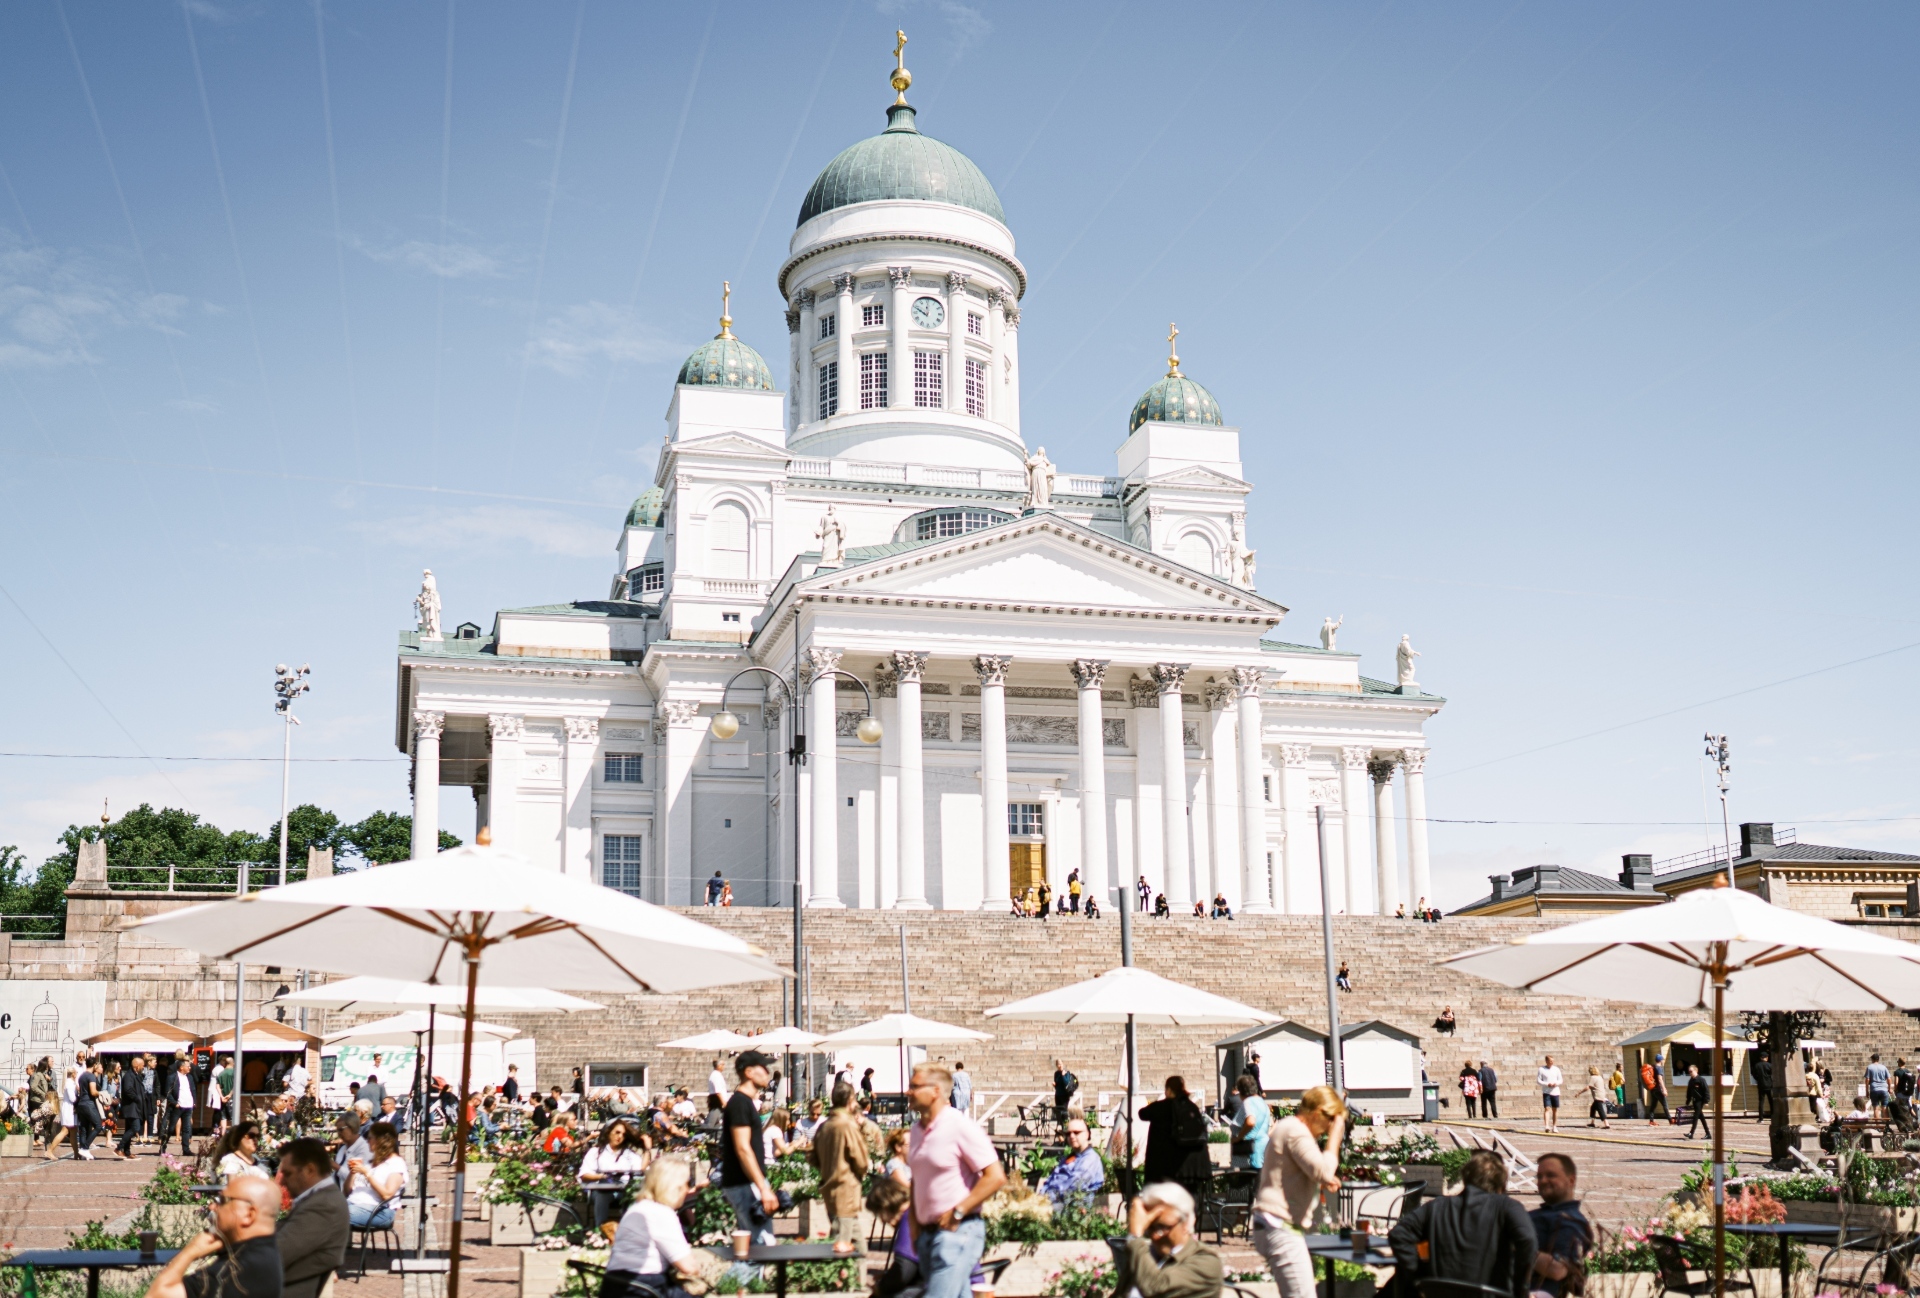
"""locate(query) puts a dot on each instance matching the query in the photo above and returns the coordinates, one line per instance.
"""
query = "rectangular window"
(873, 317)
(873, 381)
(653, 580)
(620, 863)
(1874, 910)
(1024, 818)
(928, 388)
(976, 324)
(729, 617)
(977, 389)
(1266, 788)
(827, 325)
(623, 768)
(829, 389)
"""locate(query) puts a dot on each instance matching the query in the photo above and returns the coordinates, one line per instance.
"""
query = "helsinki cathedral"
(866, 645)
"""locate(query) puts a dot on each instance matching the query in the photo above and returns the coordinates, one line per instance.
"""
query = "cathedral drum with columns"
(1068, 671)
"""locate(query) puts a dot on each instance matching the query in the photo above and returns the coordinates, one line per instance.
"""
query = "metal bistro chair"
(1890, 1261)
(1395, 1201)
(1228, 1203)
(1670, 1262)
(366, 1234)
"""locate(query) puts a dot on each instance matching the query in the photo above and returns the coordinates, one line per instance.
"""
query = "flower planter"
(1432, 1173)
(1859, 1216)
(1031, 1270)
(478, 1174)
(543, 1271)
(514, 1226)
(20, 1146)
(176, 1222)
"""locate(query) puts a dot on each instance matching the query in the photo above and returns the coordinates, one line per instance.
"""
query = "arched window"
(727, 541)
(1194, 550)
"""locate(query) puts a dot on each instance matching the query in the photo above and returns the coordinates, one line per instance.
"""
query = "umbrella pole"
(460, 1137)
(1132, 1066)
(425, 1124)
(1719, 1123)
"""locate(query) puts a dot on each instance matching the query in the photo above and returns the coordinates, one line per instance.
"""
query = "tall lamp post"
(1717, 750)
(726, 725)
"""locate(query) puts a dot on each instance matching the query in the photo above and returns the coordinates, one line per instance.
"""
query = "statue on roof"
(1329, 629)
(1039, 480)
(427, 605)
(1404, 656)
(833, 540)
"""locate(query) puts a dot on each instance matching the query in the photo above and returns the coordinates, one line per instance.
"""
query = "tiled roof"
(1814, 852)
(1569, 883)
(591, 608)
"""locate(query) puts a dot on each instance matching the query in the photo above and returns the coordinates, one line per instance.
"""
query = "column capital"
(992, 668)
(843, 284)
(1168, 677)
(506, 726)
(1414, 759)
(909, 665)
(1090, 673)
(1294, 756)
(793, 319)
(582, 730)
(1381, 769)
(1141, 693)
(1247, 681)
(821, 661)
(1355, 757)
(902, 276)
(995, 297)
(1012, 312)
(680, 714)
(1218, 694)
(803, 298)
(956, 281)
(428, 725)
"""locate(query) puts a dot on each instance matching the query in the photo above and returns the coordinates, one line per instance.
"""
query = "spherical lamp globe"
(868, 729)
(725, 725)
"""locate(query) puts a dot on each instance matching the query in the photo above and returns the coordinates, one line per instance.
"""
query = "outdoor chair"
(366, 1234)
(1227, 1203)
(1392, 1207)
(1890, 1260)
(1670, 1263)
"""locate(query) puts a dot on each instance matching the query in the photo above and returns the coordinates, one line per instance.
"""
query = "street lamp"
(726, 724)
(288, 686)
(1717, 750)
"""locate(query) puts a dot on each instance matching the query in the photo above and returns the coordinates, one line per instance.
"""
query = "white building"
(1068, 670)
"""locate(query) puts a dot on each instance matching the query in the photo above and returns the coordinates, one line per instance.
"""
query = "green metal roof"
(591, 608)
(901, 163)
(726, 362)
(1175, 399)
(646, 508)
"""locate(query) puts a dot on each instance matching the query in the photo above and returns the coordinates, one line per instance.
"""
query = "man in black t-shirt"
(243, 1222)
(742, 1178)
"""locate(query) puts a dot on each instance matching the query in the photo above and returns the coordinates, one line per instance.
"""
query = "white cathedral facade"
(1069, 671)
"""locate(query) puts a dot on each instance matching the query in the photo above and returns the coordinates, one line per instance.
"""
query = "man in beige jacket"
(840, 1154)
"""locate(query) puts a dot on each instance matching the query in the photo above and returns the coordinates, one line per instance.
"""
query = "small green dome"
(646, 508)
(726, 362)
(901, 163)
(1176, 399)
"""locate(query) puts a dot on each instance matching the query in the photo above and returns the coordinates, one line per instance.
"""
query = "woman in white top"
(374, 1182)
(68, 1094)
(609, 1166)
(649, 1247)
(773, 1136)
(237, 1152)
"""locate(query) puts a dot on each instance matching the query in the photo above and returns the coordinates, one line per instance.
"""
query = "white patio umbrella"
(509, 922)
(787, 1038)
(1714, 943)
(901, 1031)
(717, 1039)
(405, 1030)
(1131, 995)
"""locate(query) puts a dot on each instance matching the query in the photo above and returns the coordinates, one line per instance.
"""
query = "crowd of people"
(1041, 900)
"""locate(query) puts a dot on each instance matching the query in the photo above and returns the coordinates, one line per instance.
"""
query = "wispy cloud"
(494, 527)
(53, 304)
(447, 260)
(570, 341)
(967, 25)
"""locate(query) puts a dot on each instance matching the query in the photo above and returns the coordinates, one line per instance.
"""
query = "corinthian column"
(576, 825)
(822, 754)
(995, 862)
(908, 667)
(1010, 365)
(1174, 830)
(843, 326)
(1256, 886)
(956, 342)
(804, 384)
(1386, 869)
(1223, 829)
(1353, 810)
(426, 782)
(680, 745)
(506, 731)
(1088, 675)
(899, 341)
(1295, 809)
(1419, 879)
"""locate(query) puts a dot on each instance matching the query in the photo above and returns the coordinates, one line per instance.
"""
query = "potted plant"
(171, 1207)
(16, 1138)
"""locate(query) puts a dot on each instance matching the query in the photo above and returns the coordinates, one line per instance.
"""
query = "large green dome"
(646, 509)
(901, 163)
(1176, 399)
(726, 362)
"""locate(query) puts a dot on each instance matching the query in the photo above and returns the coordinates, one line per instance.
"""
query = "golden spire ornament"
(901, 77)
(1173, 356)
(726, 302)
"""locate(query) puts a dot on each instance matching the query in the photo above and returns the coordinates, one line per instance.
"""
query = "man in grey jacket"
(313, 1236)
(1479, 1235)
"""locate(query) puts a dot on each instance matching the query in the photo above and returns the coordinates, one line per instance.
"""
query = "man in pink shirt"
(955, 1170)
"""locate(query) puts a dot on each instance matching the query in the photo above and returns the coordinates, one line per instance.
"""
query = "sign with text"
(46, 1017)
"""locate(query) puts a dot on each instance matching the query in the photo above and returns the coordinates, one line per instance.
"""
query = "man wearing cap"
(742, 1180)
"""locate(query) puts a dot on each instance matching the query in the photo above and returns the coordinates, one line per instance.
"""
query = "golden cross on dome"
(901, 77)
(1173, 356)
(726, 300)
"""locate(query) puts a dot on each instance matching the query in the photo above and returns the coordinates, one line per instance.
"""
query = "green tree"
(311, 827)
(385, 837)
(144, 842)
(42, 892)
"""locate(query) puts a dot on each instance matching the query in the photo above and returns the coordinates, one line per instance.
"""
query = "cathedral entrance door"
(1026, 866)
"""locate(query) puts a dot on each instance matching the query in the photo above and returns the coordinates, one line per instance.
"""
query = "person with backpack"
(1470, 1086)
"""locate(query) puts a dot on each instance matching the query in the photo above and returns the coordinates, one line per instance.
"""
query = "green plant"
(1081, 1278)
(794, 1174)
(13, 1124)
(711, 1215)
(1219, 1136)
(1411, 1147)
(837, 1276)
(1453, 1162)
(169, 1185)
(1038, 1163)
(1342, 1270)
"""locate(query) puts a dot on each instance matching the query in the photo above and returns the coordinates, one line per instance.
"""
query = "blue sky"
(1576, 342)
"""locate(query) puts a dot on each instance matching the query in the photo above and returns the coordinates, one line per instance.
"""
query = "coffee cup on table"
(742, 1243)
(149, 1242)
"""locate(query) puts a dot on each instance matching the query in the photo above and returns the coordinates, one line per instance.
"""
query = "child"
(902, 1279)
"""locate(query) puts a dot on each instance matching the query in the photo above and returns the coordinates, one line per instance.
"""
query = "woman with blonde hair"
(1296, 1174)
(649, 1248)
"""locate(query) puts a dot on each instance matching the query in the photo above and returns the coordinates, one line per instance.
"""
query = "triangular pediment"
(729, 444)
(1043, 561)
(1199, 475)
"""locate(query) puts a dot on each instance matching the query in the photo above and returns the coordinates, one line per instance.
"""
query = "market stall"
(1672, 1047)
(270, 1050)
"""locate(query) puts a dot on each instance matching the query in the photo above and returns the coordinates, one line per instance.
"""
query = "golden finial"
(901, 77)
(1173, 357)
(726, 301)
(105, 819)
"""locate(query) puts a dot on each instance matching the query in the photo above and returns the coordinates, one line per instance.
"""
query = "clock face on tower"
(928, 313)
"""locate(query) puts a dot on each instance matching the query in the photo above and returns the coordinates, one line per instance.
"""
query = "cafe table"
(1782, 1233)
(92, 1261)
(781, 1254)
(1340, 1248)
